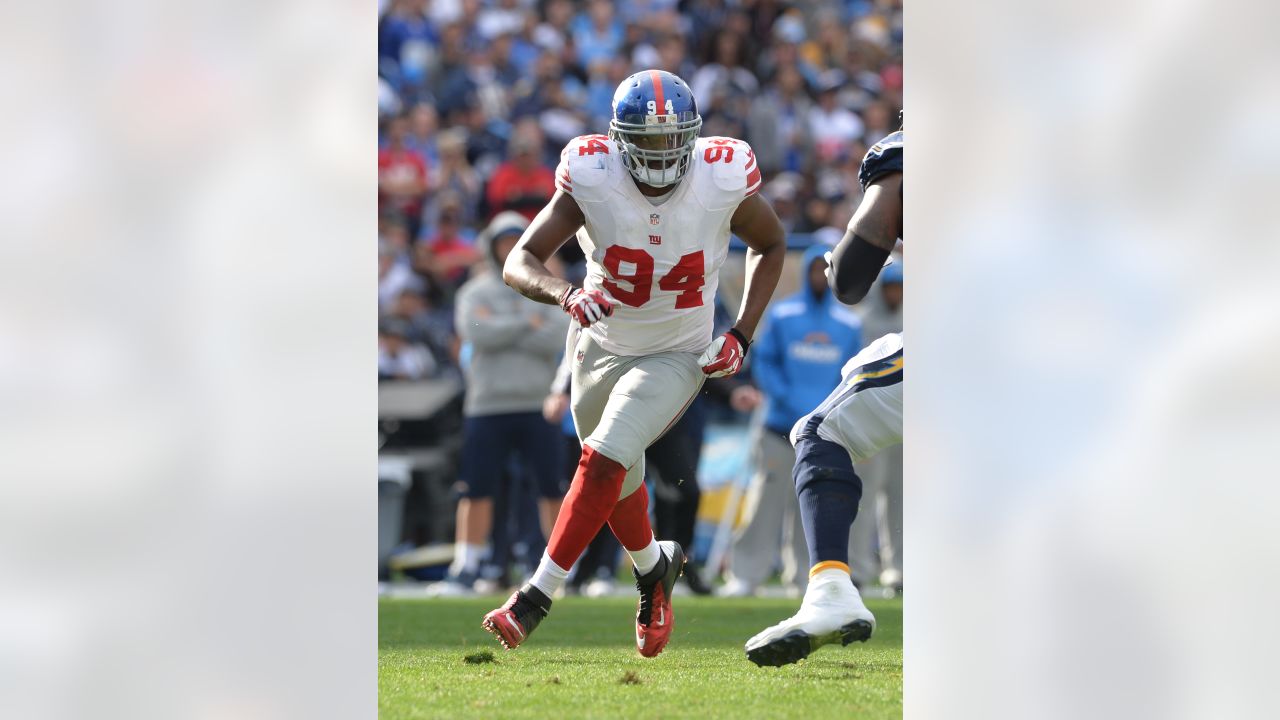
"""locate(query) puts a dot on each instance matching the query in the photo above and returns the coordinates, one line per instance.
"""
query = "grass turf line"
(582, 663)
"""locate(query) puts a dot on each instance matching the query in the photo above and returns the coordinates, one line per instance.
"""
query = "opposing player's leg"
(862, 415)
(832, 611)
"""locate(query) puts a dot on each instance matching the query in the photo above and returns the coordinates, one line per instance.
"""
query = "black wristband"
(742, 339)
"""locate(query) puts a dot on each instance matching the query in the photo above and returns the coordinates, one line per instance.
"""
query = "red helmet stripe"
(657, 91)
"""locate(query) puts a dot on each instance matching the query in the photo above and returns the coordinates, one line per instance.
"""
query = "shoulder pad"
(732, 167)
(584, 164)
(883, 158)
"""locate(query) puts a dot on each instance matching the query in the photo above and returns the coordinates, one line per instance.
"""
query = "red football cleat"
(516, 620)
(655, 618)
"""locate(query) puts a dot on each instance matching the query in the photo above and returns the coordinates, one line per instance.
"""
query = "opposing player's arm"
(756, 224)
(874, 230)
(526, 269)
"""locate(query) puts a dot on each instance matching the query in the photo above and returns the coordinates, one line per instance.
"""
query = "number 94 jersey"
(660, 262)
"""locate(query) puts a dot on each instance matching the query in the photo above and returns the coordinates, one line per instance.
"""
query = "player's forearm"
(763, 270)
(531, 278)
(855, 264)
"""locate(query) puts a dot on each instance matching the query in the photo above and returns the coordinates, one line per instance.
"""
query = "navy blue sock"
(829, 491)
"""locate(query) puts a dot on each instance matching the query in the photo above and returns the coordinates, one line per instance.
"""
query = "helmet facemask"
(657, 149)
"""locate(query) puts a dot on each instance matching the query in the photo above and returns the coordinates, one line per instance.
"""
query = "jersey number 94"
(686, 278)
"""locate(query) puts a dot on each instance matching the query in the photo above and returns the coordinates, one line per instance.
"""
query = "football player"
(859, 418)
(652, 206)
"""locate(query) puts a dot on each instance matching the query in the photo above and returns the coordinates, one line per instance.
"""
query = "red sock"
(630, 520)
(586, 506)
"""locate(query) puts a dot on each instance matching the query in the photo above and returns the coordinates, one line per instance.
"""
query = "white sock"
(646, 558)
(467, 557)
(549, 576)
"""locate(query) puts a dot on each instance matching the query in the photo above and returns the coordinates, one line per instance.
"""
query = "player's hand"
(586, 306)
(745, 398)
(554, 407)
(724, 356)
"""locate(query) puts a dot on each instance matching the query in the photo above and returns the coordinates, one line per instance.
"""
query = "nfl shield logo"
(655, 218)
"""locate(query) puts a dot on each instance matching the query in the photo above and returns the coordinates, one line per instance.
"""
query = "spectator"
(833, 127)
(515, 343)
(605, 78)
(407, 40)
(796, 362)
(503, 17)
(522, 184)
(451, 83)
(816, 215)
(783, 192)
(454, 178)
(394, 276)
(672, 56)
(421, 136)
(446, 257)
(878, 123)
(402, 173)
(562, 119)
(778, 124)
(486, 146)
(553, 32)
(426, 325)
(400, 359)
(788, 36)
(724, 76)
(393, 231)
(597, 35)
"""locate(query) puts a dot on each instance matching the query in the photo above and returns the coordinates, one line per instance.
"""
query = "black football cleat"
(655, 618)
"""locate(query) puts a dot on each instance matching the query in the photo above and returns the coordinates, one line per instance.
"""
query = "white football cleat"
(832, 611)
(601, 587)
(449, 588)
(736, 588)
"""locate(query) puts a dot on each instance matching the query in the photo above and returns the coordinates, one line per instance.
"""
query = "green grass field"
(582, 663)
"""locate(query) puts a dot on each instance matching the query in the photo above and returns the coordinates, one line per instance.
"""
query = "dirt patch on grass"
(484, 656)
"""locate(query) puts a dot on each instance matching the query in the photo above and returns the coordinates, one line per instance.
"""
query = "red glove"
(724, 356)
(586, 306)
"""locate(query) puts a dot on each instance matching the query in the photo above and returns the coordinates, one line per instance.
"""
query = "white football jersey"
(660, 263)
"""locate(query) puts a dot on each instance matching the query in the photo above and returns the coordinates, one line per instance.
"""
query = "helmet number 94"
(653, 108)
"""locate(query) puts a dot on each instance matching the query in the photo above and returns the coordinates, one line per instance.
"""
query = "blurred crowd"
(477, 98)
